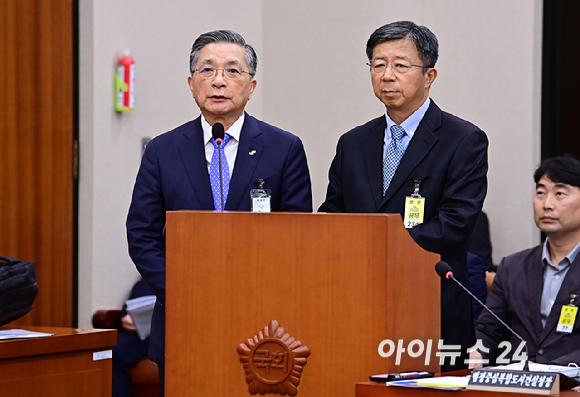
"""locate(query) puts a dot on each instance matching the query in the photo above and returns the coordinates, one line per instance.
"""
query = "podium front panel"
(335, 285)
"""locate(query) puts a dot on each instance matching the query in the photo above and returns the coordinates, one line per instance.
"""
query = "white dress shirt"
(231, 149)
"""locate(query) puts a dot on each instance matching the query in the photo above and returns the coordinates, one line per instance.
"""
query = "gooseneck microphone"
(444, 271)
(218, 133)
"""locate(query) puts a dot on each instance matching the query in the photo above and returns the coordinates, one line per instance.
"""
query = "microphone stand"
(526, 365)
(221, 176)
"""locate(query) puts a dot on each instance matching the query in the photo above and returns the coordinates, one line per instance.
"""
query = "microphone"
(218, 133)
(444, 271)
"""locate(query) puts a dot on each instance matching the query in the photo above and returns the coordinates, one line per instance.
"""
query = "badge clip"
(416, 191)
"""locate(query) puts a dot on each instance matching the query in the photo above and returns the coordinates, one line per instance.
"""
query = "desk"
(374, 389)
(57, 366)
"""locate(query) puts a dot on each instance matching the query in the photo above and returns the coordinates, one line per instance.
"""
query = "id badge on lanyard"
(568, 316)
(414, 208)
(261, 197)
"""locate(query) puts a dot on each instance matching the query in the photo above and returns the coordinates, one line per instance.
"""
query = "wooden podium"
(293, 303)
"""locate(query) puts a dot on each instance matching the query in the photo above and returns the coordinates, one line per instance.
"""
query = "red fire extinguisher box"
(125, 84)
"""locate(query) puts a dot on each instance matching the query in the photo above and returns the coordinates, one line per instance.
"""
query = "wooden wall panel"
(36, 141)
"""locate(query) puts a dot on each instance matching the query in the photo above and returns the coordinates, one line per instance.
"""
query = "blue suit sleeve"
(477, 284)
(146, 224)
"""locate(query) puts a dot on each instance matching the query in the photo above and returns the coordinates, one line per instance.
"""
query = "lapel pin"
(252, 152)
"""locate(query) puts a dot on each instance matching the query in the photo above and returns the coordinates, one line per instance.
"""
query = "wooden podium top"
(63, 340)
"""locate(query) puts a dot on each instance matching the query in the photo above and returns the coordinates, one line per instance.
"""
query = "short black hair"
(560, 169)
(424, 39)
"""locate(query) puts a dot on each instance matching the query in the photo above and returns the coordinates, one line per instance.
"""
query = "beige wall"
(312, 81)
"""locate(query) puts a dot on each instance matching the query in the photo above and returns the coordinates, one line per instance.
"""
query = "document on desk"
(442, 382)
(571, 372)
(21, 334)
(141, 311)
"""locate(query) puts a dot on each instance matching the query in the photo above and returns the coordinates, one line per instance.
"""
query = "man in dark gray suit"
(415, 149)
(537, 290)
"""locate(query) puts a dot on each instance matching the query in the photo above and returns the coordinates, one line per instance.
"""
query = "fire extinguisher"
(125, 84)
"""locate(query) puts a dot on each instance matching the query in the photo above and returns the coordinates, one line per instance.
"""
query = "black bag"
(17, 288)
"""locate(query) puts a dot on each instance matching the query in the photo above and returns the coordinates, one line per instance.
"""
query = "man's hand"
(475, 356)
(127, 323)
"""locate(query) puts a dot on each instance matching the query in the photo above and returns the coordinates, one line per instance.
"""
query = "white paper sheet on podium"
(21, 333)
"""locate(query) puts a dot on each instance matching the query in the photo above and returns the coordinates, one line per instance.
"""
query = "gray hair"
(425, 41)
(223, 36)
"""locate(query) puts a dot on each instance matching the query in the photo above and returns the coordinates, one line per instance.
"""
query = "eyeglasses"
(378, 66)
(229, 73)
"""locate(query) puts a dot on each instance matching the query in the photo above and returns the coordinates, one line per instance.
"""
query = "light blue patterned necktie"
(214, 174)
(393, 156)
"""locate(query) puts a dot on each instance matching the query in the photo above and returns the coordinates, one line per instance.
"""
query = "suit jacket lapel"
(249, 152)
(571, 285)
(535, 281)
(421, 143)
(192, 152)
(373, 155)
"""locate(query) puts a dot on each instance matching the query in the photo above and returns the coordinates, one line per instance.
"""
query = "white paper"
(571, 372)
(445, 381)
(141, 311)
(21, 333)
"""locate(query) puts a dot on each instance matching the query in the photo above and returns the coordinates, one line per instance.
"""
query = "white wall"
(159, 36)
(312, 81)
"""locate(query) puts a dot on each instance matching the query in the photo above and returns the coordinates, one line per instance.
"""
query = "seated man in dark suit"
(180, 169)
(536, 290)
(130, 349)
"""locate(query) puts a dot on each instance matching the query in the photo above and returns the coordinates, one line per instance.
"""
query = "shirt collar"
(412, 122)
(234, 131)
(570, 257)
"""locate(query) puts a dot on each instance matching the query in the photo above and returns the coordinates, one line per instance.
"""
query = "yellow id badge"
(567, 319)
(414, 211)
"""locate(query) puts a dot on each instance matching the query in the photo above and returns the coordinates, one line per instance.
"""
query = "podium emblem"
(273, 361)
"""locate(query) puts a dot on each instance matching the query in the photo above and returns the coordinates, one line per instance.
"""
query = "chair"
(489, 277)
(145, 375)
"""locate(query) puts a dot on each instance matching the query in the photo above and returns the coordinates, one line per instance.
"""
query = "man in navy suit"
(537, 290)
(416, 149)
(176, 166)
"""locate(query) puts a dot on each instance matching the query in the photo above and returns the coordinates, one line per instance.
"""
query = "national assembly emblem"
(273, 361)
